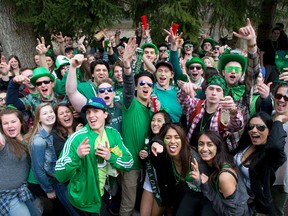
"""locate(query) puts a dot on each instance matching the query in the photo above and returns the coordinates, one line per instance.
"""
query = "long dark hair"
(222, 156)
(60, 129)
(186, 150)
(16, 146)
(167, 119)
(245, 141)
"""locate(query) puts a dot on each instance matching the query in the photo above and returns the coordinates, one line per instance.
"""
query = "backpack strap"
(196, 111)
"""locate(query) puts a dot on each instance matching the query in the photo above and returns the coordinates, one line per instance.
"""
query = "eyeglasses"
(258, 127)
(230, 69)
(279, 96)
(163, 50)
(188, 45)
(193, 67)
(64, 67)
(108, 89)
(46, 82)
(2, 99)
(142, 83)
(216, 48)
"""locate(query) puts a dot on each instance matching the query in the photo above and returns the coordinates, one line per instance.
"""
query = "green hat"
(60, 61)
(226, 58)
(150, 45)
(41, 72)
(208, 40)
(216, 80)
(196, 60)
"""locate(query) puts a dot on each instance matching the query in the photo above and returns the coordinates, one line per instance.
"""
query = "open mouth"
(106, 98)
(254, 137)
(173, 148)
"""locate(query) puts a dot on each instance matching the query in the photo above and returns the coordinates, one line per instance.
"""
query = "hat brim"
(34, 78)
(166, 64)
(84, 108)
(150, 45)
(226, 58)
(208, 40)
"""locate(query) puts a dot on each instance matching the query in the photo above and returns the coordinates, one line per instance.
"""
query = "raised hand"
(195, 173)
(156, 148)
(77, 60)
(84, 148)
(264, 90)
(227, 103)
(130, 49)
(4, 67)
(21, 79)
(58, 37)
(103, 151)
(41, 47)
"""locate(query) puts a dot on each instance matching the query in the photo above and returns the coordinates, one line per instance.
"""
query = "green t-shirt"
(135, 128)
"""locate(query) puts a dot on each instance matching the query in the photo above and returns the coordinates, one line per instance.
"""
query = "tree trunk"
(17, 38)
(267, 11)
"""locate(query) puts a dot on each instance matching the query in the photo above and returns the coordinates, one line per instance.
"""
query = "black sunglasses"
(142, 83)
(102, 90)
(258, 126)
(46, 82)
(279, 96)
(163, 50)
(197, 67)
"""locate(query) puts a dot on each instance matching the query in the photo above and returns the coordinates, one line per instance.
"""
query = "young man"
(86, 158)
(136, 122)
(195, 68)
(44, 83)
(165, 91)
(207, 47)
(206, 114)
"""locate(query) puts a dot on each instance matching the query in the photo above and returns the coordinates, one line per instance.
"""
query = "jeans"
(62, 195)
(35, 207)
(18, 208)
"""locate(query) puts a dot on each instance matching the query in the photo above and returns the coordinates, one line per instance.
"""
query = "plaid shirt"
(189, 104)
(6, 196)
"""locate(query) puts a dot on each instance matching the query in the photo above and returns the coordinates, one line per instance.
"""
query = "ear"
(106, 114)
(223, 72)
(172, 75)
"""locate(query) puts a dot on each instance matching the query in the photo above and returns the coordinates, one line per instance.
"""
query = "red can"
(153, 99)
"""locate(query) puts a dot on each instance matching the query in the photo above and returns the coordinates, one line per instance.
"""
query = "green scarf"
(236, 92)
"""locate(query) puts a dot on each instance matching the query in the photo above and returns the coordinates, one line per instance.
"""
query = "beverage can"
(153, 100)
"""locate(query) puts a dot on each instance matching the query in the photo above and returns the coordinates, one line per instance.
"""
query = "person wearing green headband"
(206, 114)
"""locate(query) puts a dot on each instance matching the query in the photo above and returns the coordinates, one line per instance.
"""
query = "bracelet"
(252, 46)
(127, 67)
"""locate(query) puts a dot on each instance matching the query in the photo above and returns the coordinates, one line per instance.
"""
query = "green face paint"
(166, 141)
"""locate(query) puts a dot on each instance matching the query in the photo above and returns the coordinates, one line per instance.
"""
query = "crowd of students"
(165, 130)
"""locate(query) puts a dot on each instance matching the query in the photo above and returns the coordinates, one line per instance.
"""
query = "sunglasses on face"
(230, 69)
(188, 45)
(259, 127)
(193, 67)
(279, 96)
(108, 89)
(216, 48)
(46, 82)
(142, 83)
(2, 99)
(163, 50)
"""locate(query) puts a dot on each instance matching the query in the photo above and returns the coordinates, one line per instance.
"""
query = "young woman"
(224, 187)
(15, 197)
(179, 157)
(260, 153)
(150, 202)
(43, 156)
(15, 65)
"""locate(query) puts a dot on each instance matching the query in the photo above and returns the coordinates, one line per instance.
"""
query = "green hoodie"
(83, 188)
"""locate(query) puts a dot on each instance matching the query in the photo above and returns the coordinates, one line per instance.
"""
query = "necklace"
(202, 127)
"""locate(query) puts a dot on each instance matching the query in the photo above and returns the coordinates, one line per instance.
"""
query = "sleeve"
(266, 104)
(69, 161)
(13, 96)
(128, 89)
(236, 122)
(187, 103)
(274, 147)
(113, 58)
(120, 159)
(174, 59)
(38, 147)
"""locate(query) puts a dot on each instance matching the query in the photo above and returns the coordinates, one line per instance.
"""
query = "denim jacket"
(43, 159)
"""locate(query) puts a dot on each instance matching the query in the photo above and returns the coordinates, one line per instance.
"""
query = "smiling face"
(150, 54)
(257, 136)
(207, 62)
(46, 90)
(157, 122)
(100, 72)
(232, 78)
(213, 94)
(163, 76)
(47, 116)
(65, 116)
(11, 125)
(143, 89)
(206, 149)
(49, 61)
(118, 74)
(195, 72)
(14, 63)
(281, 105)
(96, 119)
(107, 93)
(188, 48)
(173, 143)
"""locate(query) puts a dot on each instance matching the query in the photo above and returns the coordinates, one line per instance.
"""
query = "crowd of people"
(168, 129)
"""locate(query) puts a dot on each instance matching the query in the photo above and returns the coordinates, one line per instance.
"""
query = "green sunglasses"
(230, 69)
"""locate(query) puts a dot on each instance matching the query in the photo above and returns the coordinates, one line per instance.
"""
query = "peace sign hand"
(195, 174)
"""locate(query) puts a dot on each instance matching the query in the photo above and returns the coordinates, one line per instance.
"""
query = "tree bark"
(17, 38)
(267, 11)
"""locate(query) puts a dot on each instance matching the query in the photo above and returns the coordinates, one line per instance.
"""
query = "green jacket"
(83, 188)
